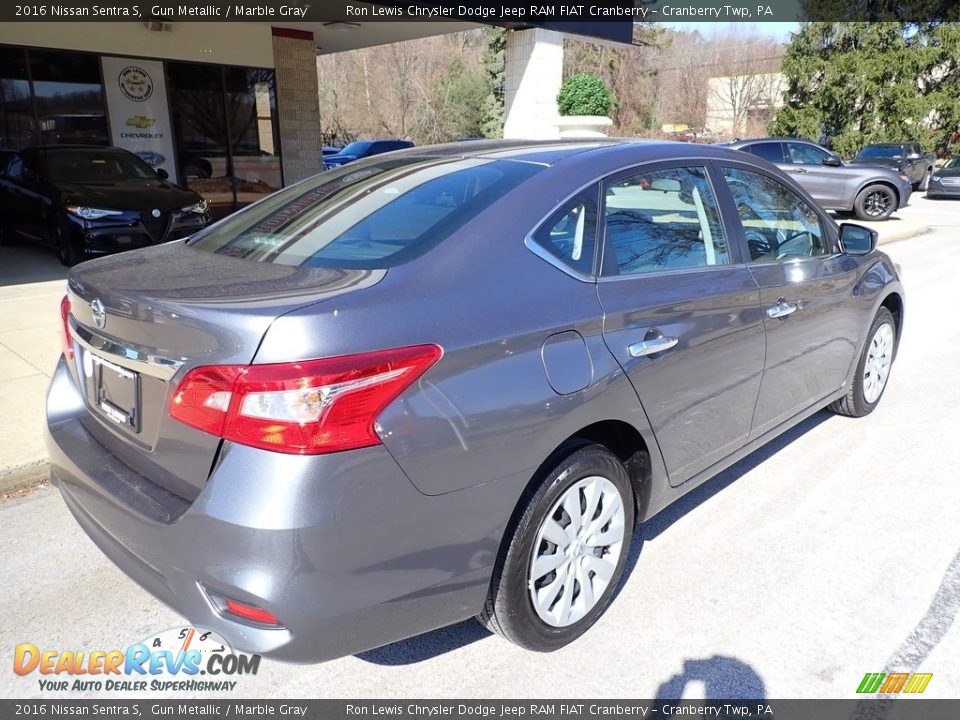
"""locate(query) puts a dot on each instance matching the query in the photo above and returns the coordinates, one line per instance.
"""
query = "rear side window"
(769, 151)
(376, 216)
(570, 234)
(663, 220)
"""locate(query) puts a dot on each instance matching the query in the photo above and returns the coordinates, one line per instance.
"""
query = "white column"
(534, 73)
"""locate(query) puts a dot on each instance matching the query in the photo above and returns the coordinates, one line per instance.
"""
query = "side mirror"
(832, 161)
(914, 156)
(162, 174)
(857, 239)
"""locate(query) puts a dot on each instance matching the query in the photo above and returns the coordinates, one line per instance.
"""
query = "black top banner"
(554, 15)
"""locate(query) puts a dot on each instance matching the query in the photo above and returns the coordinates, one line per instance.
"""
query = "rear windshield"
(882, 151)
(357, 148)
(375, 216)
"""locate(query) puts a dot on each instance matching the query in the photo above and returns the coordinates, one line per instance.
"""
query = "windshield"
(371, 217)
(887, 152)
(357, 148)
(92, 166)
(952, 164)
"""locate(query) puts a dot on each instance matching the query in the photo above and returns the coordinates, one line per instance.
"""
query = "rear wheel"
(875, 202)
(873, 370)
(565, 555)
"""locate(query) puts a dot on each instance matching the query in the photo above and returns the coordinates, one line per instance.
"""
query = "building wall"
(534, 73)
(741, 105)
(295, 58)
(247, 44)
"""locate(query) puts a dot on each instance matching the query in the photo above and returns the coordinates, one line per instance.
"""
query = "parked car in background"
(906, 158)
(452, 382)
(364, 148)
(945, 181)
(871, 191)
(86, 200)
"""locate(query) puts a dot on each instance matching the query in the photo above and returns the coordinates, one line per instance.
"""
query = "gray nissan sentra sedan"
(451, 381)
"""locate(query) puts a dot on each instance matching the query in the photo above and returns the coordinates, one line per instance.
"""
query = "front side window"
(778, 223)
(663, 220)
(803, 154)
(367, 218)
(569, 234)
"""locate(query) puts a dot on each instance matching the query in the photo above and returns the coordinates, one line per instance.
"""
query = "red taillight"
(309, 407)
(251, 612)
(65, 339)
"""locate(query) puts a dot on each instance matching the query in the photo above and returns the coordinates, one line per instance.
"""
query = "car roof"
(552, 152)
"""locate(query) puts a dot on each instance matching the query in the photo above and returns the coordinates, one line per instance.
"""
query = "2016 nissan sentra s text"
(451, 381)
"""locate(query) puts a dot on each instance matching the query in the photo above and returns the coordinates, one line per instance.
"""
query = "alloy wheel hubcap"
(877, 203)
(577, 551)
(877, 366)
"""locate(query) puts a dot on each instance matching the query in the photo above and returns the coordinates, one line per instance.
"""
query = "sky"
(776, 30)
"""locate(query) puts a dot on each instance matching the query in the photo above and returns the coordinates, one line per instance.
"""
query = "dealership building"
(227, 108)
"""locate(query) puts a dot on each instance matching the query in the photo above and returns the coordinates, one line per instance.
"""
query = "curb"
(903, 234)
(21, 477)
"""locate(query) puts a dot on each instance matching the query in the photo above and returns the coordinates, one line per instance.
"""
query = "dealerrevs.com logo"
(186, 659)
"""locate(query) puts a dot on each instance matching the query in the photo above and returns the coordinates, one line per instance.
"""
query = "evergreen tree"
(852, 83)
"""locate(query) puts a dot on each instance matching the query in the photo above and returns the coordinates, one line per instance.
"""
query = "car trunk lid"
(142, 320)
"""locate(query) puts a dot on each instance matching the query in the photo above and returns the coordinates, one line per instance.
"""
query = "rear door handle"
(652, 346)
(781, 309)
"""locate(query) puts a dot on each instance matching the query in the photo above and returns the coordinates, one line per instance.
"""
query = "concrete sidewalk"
(31, 286)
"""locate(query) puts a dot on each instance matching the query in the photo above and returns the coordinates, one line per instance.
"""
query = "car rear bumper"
(342, 548)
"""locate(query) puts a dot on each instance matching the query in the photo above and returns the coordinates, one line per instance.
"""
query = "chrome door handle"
(652, 346)
(798, 171)
(781, 309)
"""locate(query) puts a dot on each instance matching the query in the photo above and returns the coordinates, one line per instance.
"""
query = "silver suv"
(870, 191)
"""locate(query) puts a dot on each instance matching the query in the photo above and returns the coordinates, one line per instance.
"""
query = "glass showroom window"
(68, 93)
(225, 122)
(17, 122)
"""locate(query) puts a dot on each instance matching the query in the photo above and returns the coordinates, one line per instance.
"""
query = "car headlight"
(904, 177)
(935, 177)
(90, 213)
(199, 208)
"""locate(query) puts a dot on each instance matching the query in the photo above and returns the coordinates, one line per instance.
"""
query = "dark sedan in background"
(89, 200)
(452, 382)
(871, 191)
(945, 181)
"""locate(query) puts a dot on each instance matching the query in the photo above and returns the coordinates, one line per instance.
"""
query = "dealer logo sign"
(135, 83)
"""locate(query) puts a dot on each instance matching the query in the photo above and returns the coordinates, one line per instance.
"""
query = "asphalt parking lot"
(831, 553)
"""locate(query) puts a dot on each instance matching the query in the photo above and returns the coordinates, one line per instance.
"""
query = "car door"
(681, 312)
(806, 294)
(826, 184)
(23, 205)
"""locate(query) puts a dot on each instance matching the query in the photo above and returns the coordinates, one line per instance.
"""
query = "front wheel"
(873, 370)
(68, 253)
(565, 555)
(875, 202)
(924, 181)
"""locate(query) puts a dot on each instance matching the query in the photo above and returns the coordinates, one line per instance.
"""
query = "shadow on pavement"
(721, 678)
(430, 645)
(21, 264)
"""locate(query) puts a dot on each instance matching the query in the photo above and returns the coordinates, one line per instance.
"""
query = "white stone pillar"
(534, 73)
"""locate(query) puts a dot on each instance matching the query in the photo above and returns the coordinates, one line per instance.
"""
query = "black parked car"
(90, 200)
(364, 148)
(945, 181)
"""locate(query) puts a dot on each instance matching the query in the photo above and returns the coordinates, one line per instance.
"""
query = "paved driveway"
(827, 555)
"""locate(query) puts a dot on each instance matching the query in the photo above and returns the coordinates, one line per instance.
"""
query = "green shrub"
(584, 94)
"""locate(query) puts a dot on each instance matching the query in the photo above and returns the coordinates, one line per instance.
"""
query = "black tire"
(875, 202)
(924, 181)
(68, 253)
(855, 403)
(509, 610)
